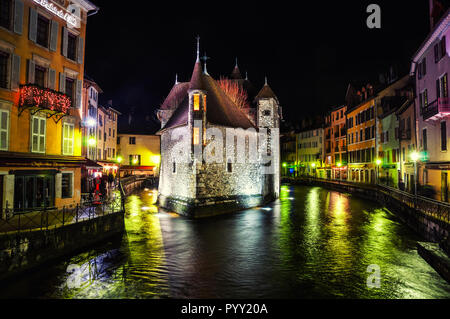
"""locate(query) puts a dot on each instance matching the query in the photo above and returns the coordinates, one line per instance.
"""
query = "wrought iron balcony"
(43, 99)
(436, 110)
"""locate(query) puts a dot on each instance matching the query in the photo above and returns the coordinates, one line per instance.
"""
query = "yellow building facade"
(139, 154)
(41, 74)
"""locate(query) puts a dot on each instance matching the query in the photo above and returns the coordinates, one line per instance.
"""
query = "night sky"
(310, 52)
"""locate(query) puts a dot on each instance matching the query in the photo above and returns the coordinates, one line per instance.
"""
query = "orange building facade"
(361, 139)
(338, 136)
(41, 76)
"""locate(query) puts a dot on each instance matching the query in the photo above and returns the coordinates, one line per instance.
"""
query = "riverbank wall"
(421, 215)
(24, 251)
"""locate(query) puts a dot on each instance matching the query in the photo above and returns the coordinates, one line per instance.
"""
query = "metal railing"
(20, 222)
(427, 206)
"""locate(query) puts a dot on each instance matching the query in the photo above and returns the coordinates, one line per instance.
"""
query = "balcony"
(437, 110)
(37, 99)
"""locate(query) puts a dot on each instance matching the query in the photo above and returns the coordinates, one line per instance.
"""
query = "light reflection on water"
(312, 243)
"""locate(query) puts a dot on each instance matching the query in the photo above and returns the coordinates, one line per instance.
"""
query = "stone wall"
(21, 252)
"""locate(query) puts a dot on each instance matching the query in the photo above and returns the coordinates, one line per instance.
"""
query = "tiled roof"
(221, 110)
(265, 93)
(175, 96)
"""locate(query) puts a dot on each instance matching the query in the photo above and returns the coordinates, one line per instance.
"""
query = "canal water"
(312, 243)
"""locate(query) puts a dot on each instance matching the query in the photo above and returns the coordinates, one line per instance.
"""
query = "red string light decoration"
(235, 92)
(34, 96)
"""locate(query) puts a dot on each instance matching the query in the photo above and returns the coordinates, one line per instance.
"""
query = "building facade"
(140, 154)
(408, 144)
(89, 122)
(430, 67)
(41, 76)
(338, 137)
(361, 136)
(311, 152)
(107, 139)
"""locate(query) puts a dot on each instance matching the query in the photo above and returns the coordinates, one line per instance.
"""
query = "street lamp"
(313, 165)
(378, 162)
(92, 141)
(415, 157)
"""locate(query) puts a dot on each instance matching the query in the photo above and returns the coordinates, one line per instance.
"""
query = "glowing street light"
(119, 159)
(339, 164)
(415, 156)
(313, 165)
(91, 122)
(92, 141)
(378, 162)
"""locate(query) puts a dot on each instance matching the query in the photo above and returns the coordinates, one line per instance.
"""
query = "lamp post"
(313, 165)
(378, 162)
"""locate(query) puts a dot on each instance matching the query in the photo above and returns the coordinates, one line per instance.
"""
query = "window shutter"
(18, 16)
(62, 83)
(443, 47)
(15, 75)
(80, 50)
(33, 25)
(52, 79)
(65, 41)
(54, 36)
(31, 70)
(79, 87)
(438, 88)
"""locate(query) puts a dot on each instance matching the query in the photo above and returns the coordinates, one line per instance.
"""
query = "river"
(312, 243)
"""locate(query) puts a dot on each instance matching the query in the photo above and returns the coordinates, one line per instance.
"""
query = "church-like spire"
(236, 74)
(265, 80)
(176, 78)
(198, 49)
(246, 75)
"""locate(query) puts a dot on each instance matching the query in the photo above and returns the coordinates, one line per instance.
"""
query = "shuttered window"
(5, 13)
(38, 130)
(443, 136)
(71, 46)
(4, 58)
(43, 31)
(68, 138)
(4, 130)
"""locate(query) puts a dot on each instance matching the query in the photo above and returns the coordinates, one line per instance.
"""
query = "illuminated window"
(68, 138)
(204, 102)
(196, 135)
(196, 102)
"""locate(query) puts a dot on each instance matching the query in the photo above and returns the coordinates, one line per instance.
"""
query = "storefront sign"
(70, 18)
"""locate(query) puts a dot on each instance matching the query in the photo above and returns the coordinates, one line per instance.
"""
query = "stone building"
(202, 126)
